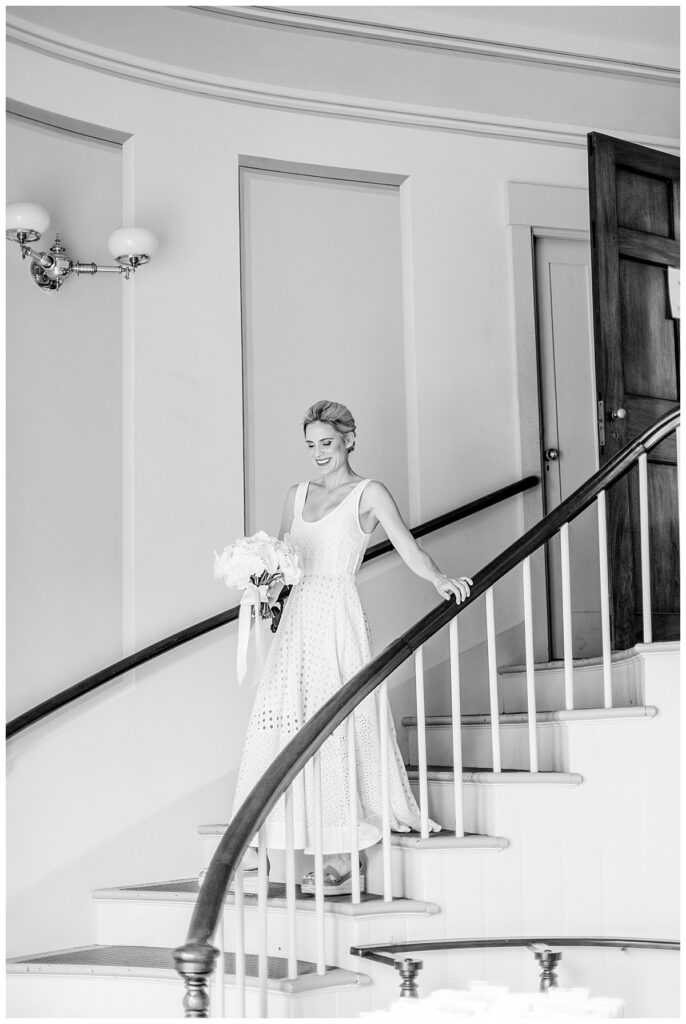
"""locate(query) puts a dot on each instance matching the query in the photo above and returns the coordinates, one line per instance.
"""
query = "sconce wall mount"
(26, 222)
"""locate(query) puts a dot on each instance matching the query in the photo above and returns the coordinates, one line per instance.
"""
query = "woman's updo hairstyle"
(338, 415)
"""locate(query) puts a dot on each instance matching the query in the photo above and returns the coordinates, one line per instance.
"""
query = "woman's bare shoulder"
(375, 492)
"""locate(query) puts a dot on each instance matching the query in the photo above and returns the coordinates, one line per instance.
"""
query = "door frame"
(536, 211)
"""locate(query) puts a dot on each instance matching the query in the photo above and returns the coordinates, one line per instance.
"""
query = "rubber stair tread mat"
(157, 958)
(277, 891)
(467, 768)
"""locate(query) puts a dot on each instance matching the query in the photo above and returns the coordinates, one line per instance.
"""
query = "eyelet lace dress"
(322, 641)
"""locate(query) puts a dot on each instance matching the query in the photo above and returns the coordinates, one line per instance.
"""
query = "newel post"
(195, 963)
(409, 969)
(548, 961)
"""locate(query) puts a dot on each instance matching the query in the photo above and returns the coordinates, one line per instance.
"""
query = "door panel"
(647, 209)
(634, 202)
(649, 354)
(565, 356)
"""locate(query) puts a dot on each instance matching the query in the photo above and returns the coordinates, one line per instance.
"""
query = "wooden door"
(634, 203)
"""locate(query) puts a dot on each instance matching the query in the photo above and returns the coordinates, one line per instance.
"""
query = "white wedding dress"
(322, 641)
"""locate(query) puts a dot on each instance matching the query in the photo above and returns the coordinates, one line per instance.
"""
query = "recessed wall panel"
(322, 318)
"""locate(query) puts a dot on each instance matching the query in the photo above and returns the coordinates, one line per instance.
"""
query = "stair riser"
(477, 746)
(88, 997)
(277, 859)
(487, 806)
(587, 687)
(157, 923)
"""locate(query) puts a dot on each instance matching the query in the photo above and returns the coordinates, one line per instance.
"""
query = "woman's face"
(326, 446)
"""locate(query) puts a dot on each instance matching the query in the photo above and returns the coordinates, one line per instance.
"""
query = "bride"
(322, 641)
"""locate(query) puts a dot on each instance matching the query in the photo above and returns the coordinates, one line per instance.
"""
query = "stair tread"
(508, 776)
(186, 890)
(522, 717)
(397, 838)
(146, 961)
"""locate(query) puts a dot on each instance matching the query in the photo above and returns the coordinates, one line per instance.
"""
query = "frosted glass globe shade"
(29, 218)
(132, 242)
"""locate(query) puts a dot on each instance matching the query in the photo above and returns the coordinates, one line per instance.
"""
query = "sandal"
(251, 882)
(335, 884)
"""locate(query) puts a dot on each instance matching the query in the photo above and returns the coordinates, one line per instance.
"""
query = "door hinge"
(601, 424)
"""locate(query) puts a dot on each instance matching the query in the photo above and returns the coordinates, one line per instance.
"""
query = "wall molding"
(290, 18)
(102, 59)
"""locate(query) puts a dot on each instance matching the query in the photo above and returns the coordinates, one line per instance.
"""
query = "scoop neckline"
(313, 522)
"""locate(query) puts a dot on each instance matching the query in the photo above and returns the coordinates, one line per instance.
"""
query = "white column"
(645, 549)
(530, 672)
(604, 600)
(421, 742)
(385, 794)
(567, 617)
(456, 717)
(262, 896)
(290, 884)
(318, 863)
(493, 679)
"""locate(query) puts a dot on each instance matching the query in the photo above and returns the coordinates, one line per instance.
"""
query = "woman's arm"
(288, 509)
(378, 499)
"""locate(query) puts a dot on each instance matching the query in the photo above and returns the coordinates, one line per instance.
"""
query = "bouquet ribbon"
(253, 597)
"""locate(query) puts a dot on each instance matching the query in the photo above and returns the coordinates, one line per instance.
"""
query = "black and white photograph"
(342, 511)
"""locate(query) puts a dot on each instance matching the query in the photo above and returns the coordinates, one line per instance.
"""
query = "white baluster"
(290, 884)
(530, 673)
(456, 715)
(385, 794)
(218, 1008)
(604, 600)
(421, 742)
(645, 549)
(262, 895)
(352, 789)
(318, 862)
(493, 679)
(567, 617)
(240, 941)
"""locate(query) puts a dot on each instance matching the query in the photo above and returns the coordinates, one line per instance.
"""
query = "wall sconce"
(26, 222)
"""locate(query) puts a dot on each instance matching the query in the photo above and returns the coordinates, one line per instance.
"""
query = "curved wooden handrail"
(196, 957)
(183, 636)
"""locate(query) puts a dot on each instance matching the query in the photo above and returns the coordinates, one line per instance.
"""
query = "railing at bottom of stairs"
(299, 764)
(395, 954)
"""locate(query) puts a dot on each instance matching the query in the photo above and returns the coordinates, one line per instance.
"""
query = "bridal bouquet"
(261, 566)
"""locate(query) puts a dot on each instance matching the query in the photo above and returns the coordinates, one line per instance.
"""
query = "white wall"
(64, 423)
(178, 727)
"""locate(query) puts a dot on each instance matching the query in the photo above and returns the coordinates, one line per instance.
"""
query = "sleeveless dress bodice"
(335, 544)
(323, 641)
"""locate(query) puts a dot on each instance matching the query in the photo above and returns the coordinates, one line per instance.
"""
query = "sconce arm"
(43, 258)
(94, 268)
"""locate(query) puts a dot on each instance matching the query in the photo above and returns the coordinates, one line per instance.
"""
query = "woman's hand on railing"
(446, 587)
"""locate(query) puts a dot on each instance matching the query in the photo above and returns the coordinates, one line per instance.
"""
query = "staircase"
(586, 846)
(562, 821)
